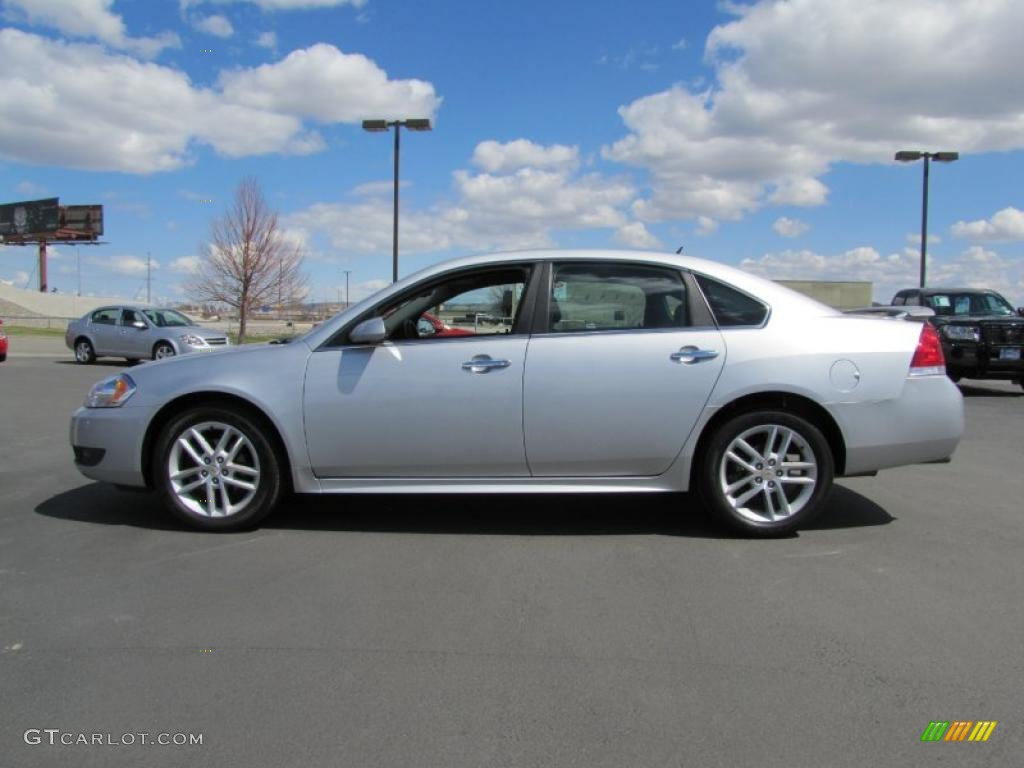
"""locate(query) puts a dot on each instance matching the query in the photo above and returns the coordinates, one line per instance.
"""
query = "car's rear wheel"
(217, 469)
(162, 350)
(766, 473)
(84, 353)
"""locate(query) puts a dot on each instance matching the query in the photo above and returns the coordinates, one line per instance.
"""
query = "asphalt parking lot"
(504, 631)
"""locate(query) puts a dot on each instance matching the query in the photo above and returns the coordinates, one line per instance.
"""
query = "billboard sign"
(30, 217)
(87, 219)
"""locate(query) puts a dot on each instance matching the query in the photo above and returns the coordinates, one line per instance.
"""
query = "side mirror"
(140, 325)
(1020, 311)
(370, 331)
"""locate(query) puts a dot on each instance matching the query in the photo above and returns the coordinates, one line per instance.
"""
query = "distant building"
(840, 294)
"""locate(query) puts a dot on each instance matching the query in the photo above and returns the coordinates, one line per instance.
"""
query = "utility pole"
(148, 272)
(347, 273)
(78, 265)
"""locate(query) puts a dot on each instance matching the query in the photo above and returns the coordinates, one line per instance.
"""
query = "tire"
(251, 462)
(3, 357)
(162, 349)
(726, 464)
(84, 352)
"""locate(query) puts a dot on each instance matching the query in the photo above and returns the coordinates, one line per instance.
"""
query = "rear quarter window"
(731, 308)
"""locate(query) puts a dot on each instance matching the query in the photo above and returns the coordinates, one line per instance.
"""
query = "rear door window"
(106, 316)
(615, 297)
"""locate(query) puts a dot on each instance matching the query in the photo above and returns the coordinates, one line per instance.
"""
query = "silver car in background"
(607, 372)
(137, 332)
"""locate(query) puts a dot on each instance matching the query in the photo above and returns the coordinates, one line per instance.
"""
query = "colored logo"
(958, 730)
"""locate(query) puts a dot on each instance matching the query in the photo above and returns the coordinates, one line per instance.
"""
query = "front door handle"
(690, 354)
(483, 364)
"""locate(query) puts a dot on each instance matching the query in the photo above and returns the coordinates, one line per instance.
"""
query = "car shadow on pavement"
(485, 514)
(971, 391)
(115, 363)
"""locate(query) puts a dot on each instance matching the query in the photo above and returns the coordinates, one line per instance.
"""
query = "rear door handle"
(483, 364)
(690, 354)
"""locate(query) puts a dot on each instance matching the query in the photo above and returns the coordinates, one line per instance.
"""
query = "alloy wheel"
(214, 469)
(768, 473)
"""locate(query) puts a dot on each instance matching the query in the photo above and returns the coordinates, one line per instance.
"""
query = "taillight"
(928, 359)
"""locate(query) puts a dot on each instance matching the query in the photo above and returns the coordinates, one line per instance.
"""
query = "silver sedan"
(136, 332)
(601, 372)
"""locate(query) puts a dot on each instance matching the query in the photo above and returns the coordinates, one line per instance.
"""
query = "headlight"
(111, 393)
(191, 340)
(962, 332)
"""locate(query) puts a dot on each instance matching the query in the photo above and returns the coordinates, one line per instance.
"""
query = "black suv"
(982, 335)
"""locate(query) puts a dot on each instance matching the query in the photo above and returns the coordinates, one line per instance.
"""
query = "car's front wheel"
(766, 473)
(162, 350)
(217, 469)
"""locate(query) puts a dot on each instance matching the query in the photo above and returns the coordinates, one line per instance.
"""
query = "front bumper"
(923, 424)
(118, 433)
(984, 361)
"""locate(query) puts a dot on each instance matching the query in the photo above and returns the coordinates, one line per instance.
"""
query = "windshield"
(970, 304)
(166, 318)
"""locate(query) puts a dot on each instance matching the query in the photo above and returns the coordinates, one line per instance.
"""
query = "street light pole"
(347, 273)
(907, 156)
(377, 126)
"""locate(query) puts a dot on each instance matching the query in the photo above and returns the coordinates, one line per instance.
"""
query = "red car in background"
(3, 343)
(428, 325)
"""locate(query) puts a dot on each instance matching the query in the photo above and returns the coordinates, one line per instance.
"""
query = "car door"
(104, 330)
(135, 342)
(420, 404)
(618, 372)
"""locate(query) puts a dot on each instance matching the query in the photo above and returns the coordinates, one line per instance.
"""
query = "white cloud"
(489, 211)
(973, 268)
(130, 266)
(1005, 226)
(495, 157)
(19, 280)
(215, 25)
(185, 264)
(88, 18)
(267, 40)
(30, 189)
(790, 227)
(914, 239)
(636, 235)
(153, 116)
(706, 226)
(324, 84)
(801, 85)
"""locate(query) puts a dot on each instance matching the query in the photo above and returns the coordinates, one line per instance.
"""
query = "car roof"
(777, 296)
(931, 291)
(762, 287)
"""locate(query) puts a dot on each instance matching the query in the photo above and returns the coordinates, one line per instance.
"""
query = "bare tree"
(248, 260)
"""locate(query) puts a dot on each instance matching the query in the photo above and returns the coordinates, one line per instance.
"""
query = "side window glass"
(914, 299)
(105, 316)
(130, 316)
(475, 304)
(899, 300)
(614, 297)
(731, 307)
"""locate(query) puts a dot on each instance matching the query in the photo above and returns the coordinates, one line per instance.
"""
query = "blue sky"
(760, 135)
